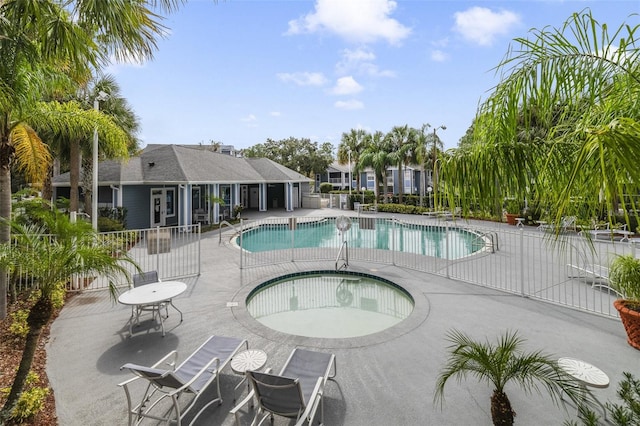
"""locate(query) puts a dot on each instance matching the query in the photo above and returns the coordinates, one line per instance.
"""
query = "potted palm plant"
(503, 364)
(513, 210)
(624, 276)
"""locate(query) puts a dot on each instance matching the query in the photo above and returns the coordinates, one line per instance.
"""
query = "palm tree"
(49, 42)
(504, 363)
(376, 155)
(353, 142)
(402, 145)
(573, 90)
(50, 250)
(74, 136)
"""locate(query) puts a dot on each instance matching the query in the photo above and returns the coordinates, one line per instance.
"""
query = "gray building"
(169, 185)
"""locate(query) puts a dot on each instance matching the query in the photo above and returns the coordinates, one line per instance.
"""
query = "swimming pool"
(366, 233)
(329, 304)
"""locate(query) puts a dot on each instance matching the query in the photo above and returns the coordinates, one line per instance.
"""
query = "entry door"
(244, 196)
(158, 208)
(254, 198)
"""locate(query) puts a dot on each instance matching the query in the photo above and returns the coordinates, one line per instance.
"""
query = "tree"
(504, 363)
(402, 147)
(353, 142)
(301, 155)
(74, 136)
(51, 42)
(376, 155)
(563, 123)
(50, 250)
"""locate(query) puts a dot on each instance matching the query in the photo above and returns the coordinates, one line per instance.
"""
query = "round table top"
(149, 294)
(588, 374)
(251, 359)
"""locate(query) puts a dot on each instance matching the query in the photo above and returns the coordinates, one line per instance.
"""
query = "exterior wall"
(137, 201)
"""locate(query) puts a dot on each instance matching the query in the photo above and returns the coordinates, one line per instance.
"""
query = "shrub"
(626, 413)
(106, 224)
(325, 187)
(18, 324)
(31, 401)
(57, 296)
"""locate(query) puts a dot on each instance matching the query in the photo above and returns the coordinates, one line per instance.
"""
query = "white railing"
(172, 251)
(522, 261)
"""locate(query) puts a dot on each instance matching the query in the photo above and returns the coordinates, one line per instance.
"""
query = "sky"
(240, 72)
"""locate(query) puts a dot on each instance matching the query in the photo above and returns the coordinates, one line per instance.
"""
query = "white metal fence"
(172, 251)
(520, 260)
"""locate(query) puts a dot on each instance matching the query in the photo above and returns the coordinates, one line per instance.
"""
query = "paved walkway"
(383, 379)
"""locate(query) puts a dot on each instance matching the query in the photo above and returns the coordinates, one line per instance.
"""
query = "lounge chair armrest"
(235, 410)
(164, 359)
(310, 411)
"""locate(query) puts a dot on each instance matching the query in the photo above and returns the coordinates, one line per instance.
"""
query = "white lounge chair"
(193, 376)
(598, 275)
(294, 393)
(567, 223)
(611, 233)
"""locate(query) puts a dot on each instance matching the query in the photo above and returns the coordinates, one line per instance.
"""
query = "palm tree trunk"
(38, 317)
(501, 412)
(74, 174)
(6, 155)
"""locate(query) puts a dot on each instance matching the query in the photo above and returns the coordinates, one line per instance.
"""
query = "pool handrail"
(344, 247)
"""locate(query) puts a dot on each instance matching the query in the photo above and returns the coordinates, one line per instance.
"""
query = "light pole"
(434, 173)
(94, 164)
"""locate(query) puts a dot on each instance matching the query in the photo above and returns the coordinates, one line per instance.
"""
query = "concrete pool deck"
(387, 378)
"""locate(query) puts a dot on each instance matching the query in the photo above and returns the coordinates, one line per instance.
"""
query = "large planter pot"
(630, 321)
(511, 218)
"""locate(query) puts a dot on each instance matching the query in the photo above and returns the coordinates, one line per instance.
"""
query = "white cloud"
(481, 25)
(351, 104)
(363, 21)
(346, 86)
(360, 61)
(275, 113)
(249, 118)
(439, 56)
(129, 61)
(304, 78)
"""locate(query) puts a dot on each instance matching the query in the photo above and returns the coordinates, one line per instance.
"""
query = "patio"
(385, 378)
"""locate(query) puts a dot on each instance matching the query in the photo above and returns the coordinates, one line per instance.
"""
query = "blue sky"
(241, 71)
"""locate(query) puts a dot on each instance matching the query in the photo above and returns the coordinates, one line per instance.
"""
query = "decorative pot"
(511, 218)
(630, 321)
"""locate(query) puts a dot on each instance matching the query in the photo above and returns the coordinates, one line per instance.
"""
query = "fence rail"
(172, 251)
(523, 261)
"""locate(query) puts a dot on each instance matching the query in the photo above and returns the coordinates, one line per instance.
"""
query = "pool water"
(329, 304)
(434, 241)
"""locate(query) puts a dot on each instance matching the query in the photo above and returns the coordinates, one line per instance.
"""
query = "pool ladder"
(343, 255)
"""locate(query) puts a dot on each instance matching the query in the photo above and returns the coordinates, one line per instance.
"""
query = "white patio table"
(153, 294)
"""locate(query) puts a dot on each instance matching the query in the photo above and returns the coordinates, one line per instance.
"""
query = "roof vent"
(151, 163)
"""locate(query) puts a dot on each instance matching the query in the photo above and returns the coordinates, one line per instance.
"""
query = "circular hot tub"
(329, 304)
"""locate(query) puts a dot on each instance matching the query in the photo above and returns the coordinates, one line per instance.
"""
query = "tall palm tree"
(51, 250)
(74, 136)
(577, 86)
(353, 142)
(504, 363)
(50, 41)
(402, 145)
(377, 156)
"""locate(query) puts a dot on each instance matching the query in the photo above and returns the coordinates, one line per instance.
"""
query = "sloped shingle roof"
(189, 164)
